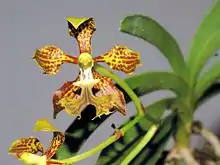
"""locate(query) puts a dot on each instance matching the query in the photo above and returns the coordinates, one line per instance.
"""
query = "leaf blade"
(210, 92)
(152, 81)
(152, 152)
(205, 42)
(149, 30)
(207, 79)
(137, 148)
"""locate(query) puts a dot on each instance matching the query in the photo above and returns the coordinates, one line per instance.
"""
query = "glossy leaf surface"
(151, 31)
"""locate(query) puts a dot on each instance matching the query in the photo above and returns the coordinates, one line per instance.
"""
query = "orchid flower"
(25, 149)
(89, 88)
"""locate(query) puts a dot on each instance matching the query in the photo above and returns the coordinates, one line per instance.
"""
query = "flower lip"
(105, 99)
(86, 83)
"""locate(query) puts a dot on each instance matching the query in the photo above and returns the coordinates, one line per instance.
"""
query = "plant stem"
(147, 137)
(84, 155)
(102, 70)
(184, 121)
(102, 145)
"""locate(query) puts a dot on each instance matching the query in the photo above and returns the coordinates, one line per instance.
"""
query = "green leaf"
(63, 152)
(143, 142)
(205, 43)
(207, 79)
(141, 84)
(155, 154)
(150, 81)
(210, 92)
(153, 151)
(111, 155)
(149, 30)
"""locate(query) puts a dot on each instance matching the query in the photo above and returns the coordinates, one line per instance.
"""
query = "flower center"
(85, 60)
(85, 63)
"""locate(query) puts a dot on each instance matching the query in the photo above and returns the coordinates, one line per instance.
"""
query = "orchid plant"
(143, 137)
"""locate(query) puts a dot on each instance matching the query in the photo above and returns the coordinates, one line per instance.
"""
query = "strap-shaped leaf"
(152, 152)
(150, 81)
(205, 43)
(116, 152)
(207, 79)
(210, 92)
(139, 147)
(149, 30)
(80, 130)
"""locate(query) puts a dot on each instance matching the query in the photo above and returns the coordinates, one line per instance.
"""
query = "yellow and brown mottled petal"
(74, 107)
(99, 92)
(68, 90)
(115, 100)
(104, 104)
(107, 87)
(82, 29)
(50, 58)
(26, 145)
(57, 141)
(120, 58)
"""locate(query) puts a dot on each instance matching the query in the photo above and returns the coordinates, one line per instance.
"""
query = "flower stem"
(122, 84)
(84, 155)
(147, 137)
(102, 145)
